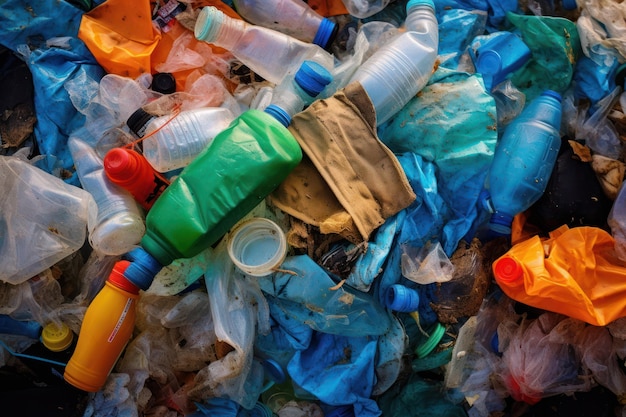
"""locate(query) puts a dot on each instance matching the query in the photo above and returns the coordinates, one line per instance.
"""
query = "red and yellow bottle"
(106, 329)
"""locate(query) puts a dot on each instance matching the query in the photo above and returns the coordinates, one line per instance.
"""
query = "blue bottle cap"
(489, 62)
(553, 94)
(340, 411)
(413, 3)
(401, 298)
(500, 223)
(142, 269)
(279, 114)
(569, 4)
(325, 33)
(274, 369)
(313, 78)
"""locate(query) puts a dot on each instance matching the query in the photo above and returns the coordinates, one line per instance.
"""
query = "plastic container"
(364, 8)
(131, 171)
(292, 17)
(398, 70)
(523, 161)
(295, 92)
(499, 57)
(257, 246)
(267, 52)
(118, 225)
(28, 328)
(220, 186)
(43, 219)
(106, 329)
(174, 142)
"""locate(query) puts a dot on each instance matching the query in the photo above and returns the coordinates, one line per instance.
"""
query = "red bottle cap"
(508, 270)
(120, 165)
(118, 279)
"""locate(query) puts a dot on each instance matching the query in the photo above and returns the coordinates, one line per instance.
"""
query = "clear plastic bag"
(43, 219)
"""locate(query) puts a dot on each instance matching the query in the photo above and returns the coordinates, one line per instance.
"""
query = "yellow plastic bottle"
(106, 329)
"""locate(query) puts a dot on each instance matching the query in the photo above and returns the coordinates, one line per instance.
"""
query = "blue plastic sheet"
(594, 80)
(338, 370)
(457, 28)
(26, 27)
(496, 9)
(451, 124)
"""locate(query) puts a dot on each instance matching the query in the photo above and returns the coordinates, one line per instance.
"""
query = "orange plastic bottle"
(106, 329)
(132, 171)
(575, 272)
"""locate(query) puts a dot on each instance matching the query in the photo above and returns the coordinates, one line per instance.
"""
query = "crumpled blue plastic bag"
(338, 370)
(457, 28)
(27, 26)
(594, 81)
(452, 123)
(306, 292)
(56, 116)
(496, 10)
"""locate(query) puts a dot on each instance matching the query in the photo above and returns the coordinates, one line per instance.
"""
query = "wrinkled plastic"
(452, 127)
(555, 47)
(575, 272)
(426, 265)
(307, 292)
(43, 219)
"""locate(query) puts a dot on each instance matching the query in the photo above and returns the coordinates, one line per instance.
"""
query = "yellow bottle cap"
(57, 338)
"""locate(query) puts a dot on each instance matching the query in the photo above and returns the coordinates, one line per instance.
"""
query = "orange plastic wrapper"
(573, 272)
(121, 36)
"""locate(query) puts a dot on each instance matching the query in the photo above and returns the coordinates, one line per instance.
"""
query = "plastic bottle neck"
(123, 166)
(213, 26)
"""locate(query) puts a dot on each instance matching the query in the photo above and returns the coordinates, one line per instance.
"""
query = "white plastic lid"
(257, 246)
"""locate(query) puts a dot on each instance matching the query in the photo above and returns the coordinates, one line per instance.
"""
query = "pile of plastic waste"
(313, 208)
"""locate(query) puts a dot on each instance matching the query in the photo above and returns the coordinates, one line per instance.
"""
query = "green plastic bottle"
(245, 163)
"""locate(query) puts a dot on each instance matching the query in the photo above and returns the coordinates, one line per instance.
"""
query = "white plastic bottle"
(267, 52)
(118, 225)
(293, 17)
(174, 142)
(398, 70)
(364, 8)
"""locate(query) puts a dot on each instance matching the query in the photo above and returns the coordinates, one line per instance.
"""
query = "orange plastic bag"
(573, 272)
(121, 36)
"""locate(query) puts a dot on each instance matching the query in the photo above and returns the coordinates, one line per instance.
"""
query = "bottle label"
(166, 14)
(129, 303)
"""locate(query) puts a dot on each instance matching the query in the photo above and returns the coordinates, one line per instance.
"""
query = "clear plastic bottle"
(106, 329)
(292, 17)
(174, 142)
(397, 71)
(118, 225)
(364, 8)
(267, 52)
(523, 160)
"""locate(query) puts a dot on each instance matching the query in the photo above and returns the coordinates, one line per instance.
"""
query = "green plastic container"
(243, 164)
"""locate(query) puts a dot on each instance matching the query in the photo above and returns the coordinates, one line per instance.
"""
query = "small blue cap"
(313, 78)
(341, 411)
(553, 94)
(325, 33)
(142, 269)
(569, 4)
(401, 298)
(489, 62)
(274, 369)
(279, 114)
(413, 3)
